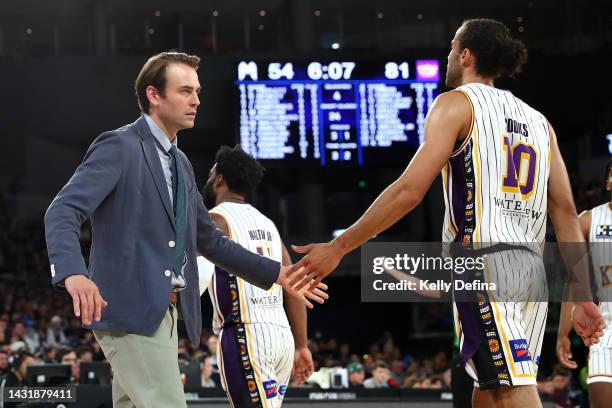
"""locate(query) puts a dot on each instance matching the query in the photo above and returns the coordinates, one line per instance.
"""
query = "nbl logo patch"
(520, 350)
(604, 231)
(270, 388)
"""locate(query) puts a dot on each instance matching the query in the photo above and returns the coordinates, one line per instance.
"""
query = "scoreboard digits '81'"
(335, 112)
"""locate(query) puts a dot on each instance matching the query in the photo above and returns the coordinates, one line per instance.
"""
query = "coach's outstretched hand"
(320, 260)
(588, 322)
(308, 289)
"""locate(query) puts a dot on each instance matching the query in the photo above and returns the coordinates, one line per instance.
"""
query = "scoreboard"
(334, 112)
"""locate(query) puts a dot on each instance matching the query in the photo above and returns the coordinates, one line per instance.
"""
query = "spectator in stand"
(33, 339)
(207, 372)
(55, 333)
(440, 362)
(68, 356)
(212, 343)
(3, 330)
(429, 384)
(557, 388)
(397, 371)
(356, 375)
(84, 354)
(380, 376)
(50, 355)
(4, 357)
(17, 375)
(344, 356)
(74, 332)
(18, 332)
(87, 339)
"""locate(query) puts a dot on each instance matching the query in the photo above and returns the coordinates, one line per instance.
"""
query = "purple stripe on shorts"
(224, 297)
(232, 366)
(470, 328)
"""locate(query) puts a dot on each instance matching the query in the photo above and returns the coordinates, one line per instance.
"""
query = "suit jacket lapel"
(154, 164)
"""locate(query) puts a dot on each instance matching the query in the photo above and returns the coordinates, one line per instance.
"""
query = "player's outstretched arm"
(586, 317)
(303, 365)
(564, 352)
(448, 120)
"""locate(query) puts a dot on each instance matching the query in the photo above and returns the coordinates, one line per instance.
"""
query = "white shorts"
(600, 354)
(501, 333)
(255, 361)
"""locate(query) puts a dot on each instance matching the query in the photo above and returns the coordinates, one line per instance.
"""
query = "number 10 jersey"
(495, 183)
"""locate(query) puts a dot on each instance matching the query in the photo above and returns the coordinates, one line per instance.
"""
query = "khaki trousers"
(145, 368)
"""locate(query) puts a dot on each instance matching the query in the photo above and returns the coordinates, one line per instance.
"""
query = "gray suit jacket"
(121, 186)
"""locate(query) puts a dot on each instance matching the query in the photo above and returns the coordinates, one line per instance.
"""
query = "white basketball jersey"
(600, 239)
(257, 233)
(495, 183)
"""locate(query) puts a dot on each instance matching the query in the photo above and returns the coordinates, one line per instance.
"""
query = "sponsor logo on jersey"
(282, 390)
(604, 231)
(273, 300)
(516, 208)
(520, 350)
(252, 386)
(271, 389)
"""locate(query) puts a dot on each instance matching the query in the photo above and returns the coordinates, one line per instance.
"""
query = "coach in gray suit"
(149, 222)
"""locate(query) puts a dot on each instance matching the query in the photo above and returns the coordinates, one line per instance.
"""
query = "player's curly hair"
(241, 172)
(497, 53)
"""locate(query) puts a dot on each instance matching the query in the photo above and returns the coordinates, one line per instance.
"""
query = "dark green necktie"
(178, 190)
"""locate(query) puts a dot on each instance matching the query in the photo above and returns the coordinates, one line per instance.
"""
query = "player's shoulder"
(605, 207)
(453, 96)
(238, 212)
(453, 104)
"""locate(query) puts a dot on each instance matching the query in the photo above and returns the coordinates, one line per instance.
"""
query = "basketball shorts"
(501, 331)
(255, 361)
(600, 354)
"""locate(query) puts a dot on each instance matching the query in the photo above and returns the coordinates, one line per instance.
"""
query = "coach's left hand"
(309, 289)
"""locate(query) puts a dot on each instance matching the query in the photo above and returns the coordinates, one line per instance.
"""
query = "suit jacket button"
(171, 244)
(167, 273)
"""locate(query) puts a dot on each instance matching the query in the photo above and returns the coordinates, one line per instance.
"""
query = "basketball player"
(597, 229)
(502, 170)
(257, 339)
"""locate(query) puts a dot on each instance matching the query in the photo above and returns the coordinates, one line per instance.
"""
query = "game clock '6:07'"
(333, 70)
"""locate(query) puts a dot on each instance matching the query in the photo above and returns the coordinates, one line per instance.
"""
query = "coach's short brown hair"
(153, 73)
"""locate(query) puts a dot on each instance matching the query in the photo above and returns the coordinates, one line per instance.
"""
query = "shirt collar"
(160, 135)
